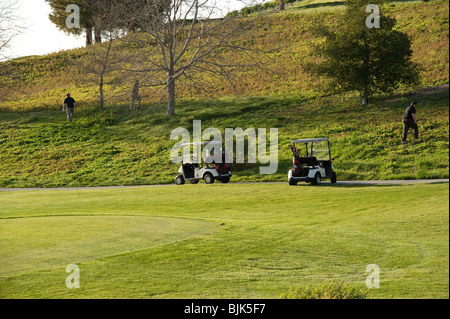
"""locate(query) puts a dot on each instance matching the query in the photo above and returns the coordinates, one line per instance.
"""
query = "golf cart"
(196, 171)
(312, 161)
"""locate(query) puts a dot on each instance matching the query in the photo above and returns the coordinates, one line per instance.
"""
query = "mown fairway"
(224, 241)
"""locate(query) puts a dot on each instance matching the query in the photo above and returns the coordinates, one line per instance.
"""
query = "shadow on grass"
(321, 5)
(337, 3)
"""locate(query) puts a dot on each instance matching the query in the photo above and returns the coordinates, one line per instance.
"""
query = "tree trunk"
(103, 73)
(171, 102)
(282, 5)
(88, 37)
(102, 96)
(98, 36)
(364, 97)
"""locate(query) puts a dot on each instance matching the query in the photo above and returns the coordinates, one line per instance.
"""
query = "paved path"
(391, 182)
(397, 182)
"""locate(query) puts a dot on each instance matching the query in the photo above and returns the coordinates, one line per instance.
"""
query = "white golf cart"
(312, 162)
(196, 171)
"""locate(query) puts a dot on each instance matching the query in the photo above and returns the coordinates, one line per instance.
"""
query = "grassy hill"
(118, 147)
(41, 81)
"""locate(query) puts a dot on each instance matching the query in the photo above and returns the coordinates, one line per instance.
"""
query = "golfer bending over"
(410, 121)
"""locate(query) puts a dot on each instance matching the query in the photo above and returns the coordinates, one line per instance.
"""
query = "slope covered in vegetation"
(41, 81)
(114, 146)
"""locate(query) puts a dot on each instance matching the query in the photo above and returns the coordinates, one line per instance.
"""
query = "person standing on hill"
(410, 121)
(69, 105)
(135, 96)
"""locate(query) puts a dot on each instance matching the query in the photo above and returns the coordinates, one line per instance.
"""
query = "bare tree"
(182, 38)
(106, 60)
(98, 65)
(10, 26)
(282, 5)
(105, 65)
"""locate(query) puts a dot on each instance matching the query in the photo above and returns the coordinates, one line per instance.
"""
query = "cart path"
(362, 183)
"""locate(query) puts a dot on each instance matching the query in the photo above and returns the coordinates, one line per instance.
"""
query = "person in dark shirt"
(69, 105)
(410, 121)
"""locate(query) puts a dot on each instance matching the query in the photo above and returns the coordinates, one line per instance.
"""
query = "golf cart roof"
(310, 140)
(202, 143)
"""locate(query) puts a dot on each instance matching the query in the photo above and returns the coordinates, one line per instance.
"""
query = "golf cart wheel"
(179, 180)
(292, 182)
(333, 178)
(194, 182)
(225, 180)
(208, 178)
(317, 179)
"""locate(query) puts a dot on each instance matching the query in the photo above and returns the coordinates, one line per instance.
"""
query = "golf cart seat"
(308, 161)
(188, 170)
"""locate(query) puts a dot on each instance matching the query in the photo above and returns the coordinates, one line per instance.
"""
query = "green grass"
(81, 238)
(116, 147)
(210, 243)
(327, 290)
(235, 240)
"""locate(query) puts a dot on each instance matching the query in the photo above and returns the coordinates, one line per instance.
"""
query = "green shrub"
(327, 290)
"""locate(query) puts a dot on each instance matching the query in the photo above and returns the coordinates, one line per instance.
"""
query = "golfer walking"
(410, 121)
(69, 105)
